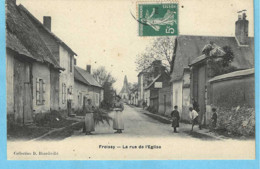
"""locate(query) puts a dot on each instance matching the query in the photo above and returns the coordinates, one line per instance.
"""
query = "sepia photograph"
(130, 80)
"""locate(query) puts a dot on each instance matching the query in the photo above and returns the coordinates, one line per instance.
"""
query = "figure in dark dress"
(175, 118)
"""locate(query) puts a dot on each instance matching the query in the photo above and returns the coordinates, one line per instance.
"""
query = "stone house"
(85, 86)
(145, 77)
(29, 64)
(62, 89)
(134, 97)
(153, 99)
(188, 52)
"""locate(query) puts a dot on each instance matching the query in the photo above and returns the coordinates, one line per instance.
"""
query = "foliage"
(102, 76)
(106, 80)
(101, 116)
(237, 121)
(219, 63)
(162, 48)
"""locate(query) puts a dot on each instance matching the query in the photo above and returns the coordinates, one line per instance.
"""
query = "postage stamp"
(158, 19)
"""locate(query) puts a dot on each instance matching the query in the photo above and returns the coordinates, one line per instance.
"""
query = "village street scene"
(188, 87)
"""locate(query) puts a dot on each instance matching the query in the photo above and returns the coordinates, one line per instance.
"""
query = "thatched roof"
(22, 8)
(21, 31)
(84, 77)
(190, 47)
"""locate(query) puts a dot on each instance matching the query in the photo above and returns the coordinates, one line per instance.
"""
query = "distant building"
(145, 77)
(125, 92)
(152, 91)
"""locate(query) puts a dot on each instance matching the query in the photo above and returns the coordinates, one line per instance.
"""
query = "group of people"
(88, 110)
(194, 117)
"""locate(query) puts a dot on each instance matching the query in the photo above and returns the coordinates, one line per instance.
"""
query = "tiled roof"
(233, 75)
(190, 47)
(84, 77)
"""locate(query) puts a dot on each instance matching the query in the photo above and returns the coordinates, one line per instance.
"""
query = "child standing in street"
(175, 118)
(194, 117)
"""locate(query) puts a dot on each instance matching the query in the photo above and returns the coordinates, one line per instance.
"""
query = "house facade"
(155, 93)
(85, 86)
(29, 64)
(145, 77)
(63, 82)
(188, 54)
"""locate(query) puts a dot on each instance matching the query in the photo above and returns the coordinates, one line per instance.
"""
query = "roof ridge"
(81, 75)
(41, 24)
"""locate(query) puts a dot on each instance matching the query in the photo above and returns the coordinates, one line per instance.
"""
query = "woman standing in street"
(118, 123)
(88, 109)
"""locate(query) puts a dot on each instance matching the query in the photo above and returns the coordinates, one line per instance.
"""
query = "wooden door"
(164, 104)
(27, 103)
(22, 92)
(201, 90)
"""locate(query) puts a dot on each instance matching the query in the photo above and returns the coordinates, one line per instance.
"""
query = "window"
(63, 95)
(80, 98)
(71, 63)
(40, 91)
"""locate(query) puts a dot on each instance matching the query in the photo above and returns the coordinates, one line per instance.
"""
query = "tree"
(220, 59)
(102, 76)
(106, 80)
(162, 48)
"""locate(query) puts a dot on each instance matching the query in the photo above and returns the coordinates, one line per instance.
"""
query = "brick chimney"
(47, 22)
(88, 69)
(241, 31)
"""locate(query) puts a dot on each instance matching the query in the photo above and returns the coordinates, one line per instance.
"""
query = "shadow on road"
(200, 135)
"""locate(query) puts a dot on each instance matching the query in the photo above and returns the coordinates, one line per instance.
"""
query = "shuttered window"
(40, 91)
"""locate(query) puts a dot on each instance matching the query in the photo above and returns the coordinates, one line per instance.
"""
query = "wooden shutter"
(43, 91)
(65, 92)
(62, 96)
(37, 91)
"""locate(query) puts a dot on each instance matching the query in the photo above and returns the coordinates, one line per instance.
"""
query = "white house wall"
(66, 77)
(41, 71)
(10, 82)
(79, 88)
(177, 95)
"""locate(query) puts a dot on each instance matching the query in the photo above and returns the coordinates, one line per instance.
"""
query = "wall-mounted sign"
(158, 85)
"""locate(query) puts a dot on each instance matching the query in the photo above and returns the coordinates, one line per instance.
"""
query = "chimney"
(47, 22)
(75, 61)
(241, 31)
(88, 69)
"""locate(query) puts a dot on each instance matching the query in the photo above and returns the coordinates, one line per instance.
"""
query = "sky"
(103, 32)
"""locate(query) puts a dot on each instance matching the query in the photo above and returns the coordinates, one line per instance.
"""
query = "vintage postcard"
(130, 80)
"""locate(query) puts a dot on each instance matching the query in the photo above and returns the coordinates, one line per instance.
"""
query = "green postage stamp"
(158, 19)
